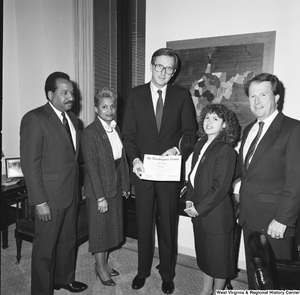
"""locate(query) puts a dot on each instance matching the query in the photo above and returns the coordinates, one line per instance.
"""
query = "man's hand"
(190, 209)
(138, 167)
(276, 229)
(170, 152)
(43, 212)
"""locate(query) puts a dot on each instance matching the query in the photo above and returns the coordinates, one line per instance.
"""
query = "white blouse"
(113, 137)
(192, 176)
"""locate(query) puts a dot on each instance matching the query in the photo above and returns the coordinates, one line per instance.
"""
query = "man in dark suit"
(157, 116)
(49, 148)
(270, 183)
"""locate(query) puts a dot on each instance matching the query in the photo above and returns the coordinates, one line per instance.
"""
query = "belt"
(117, 162)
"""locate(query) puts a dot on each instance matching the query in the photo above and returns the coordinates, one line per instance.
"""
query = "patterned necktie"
(253, 145)
(159, 109)
(67, 126)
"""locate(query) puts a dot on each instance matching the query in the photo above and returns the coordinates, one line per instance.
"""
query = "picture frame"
(13, 168)
(215, 69)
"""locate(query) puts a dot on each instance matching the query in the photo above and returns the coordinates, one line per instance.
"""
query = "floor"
(15, 279)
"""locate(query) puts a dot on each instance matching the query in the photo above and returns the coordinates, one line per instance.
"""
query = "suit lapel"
(75, 124)
(197, 153)
(168, 106)
(147, 105)
(205, 157)
(245, 135)
(266, 141)
(58, 126)
(102, 134)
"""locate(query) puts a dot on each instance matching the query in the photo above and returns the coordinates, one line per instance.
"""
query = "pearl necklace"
(109, 131)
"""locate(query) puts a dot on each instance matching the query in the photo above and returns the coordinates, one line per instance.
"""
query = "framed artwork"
(13, 168)
(215, 69)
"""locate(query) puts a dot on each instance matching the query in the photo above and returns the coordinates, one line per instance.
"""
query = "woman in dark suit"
(106, 179)
(208, 200)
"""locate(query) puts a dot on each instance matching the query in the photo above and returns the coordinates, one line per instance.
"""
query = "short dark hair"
(104, 92)
(166, 52)
(265, 77)
(231, 133)
(50, 84)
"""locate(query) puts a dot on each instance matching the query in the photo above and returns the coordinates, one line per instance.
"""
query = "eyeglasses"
(160, 68)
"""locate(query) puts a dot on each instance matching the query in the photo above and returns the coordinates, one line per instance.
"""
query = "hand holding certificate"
(158, 168)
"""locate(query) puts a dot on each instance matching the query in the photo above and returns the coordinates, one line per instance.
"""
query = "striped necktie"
(159, 109)
(67, 127)
(253, 145)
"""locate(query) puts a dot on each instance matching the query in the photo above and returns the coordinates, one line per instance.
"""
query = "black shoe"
(138, 283)
(109, 283)
(114, 273)
(74, 287)
(168, 287)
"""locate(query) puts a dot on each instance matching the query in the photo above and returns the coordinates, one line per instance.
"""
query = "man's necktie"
(253, 145)
(67, 126)
(159, 109)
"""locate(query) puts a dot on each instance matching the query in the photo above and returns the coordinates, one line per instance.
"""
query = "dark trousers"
(167, 207)
(53, 251)
(282, 249)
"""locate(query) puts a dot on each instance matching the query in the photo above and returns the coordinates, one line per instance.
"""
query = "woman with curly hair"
(208, 200)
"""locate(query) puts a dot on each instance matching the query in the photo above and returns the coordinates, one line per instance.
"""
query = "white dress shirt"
(252, 133)
(154, 95)
(72, 129)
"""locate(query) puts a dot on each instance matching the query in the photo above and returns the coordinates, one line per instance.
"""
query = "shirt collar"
(107, 127)
(57, 112)
(270, 119)
(154, 89)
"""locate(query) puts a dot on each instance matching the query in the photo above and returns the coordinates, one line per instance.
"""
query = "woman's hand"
(102, 205)
(126, 194)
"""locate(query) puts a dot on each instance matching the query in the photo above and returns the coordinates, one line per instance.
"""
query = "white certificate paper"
(160, 168)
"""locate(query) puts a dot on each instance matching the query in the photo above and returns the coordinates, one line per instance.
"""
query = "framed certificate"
(158, 168)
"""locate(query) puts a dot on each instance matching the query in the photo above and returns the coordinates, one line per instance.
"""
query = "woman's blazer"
(101, 174)
(212, 184)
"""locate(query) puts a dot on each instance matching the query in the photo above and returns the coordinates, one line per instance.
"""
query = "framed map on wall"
(215, 69)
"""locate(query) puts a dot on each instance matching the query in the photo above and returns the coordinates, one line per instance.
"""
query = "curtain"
(84, 61)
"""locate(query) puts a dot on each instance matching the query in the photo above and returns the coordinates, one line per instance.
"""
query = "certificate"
(160, 168)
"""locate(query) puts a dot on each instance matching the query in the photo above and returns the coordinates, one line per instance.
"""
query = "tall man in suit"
(49, 148)
(145, 131)
(270, 186)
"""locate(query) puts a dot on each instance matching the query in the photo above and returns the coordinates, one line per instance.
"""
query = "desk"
(10, 195)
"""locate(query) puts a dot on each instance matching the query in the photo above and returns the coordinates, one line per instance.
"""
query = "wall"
(38, 39)
(171, 20)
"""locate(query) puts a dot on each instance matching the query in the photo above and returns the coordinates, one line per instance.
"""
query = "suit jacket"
(48, 161)
(270, 188)
(140, 131)
(212, 184)
(101, 174)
